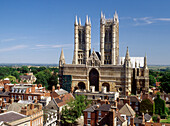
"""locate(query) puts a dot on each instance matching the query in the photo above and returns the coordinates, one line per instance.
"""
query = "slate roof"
(16, 107)
(133, 99)
(147, 117)
(11, 116)
(127, 110)
(92, 108)
(4, 93)
(137, 120)
(62, 100)
(104, 107)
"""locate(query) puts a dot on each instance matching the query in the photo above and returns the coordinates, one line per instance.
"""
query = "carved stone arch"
(94, 78)
(81, 85)
(107, 85)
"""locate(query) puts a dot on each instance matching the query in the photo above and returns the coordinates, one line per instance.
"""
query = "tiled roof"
(4, 93)
(16, 107)
(127, 110)
(62, 100)
(11, 116)
(61, 92)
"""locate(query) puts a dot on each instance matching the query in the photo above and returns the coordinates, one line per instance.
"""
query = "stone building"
(105, 68)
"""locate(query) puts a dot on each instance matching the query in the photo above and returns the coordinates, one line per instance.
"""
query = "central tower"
(82, 41)
(109, 40)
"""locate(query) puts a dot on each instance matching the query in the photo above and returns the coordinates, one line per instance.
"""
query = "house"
(104, 114)
(28, 78)
(58, 92)
(128, 113)
(135, 103)
(50, 117)
(59, 102)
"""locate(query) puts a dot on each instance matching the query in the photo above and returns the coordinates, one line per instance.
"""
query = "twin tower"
(109, 40)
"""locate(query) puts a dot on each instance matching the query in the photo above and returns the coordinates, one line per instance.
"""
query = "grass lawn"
(165, 120)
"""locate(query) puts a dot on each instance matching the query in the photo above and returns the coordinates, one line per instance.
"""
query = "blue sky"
(34, 31)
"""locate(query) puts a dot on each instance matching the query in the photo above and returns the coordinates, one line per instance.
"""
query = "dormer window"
(16, 90)
(30, 90)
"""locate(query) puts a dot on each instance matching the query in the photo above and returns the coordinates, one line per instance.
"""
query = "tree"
(146, 105)
(11, 78)
(4, 71)
(53, 80)
(152, 80)
(41, 79)
(16, 74)
(74, 109)
(24, 69)
(159, 105)
(165, 82)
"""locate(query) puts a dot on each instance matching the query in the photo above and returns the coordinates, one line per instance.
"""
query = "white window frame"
(29, 97)
(88, 114)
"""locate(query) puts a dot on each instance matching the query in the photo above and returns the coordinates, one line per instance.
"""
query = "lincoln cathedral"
(106, 68)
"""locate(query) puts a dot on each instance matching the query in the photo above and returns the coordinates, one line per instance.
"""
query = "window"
(99, 113)
(89, 115)
(29, 97)
(35, 97)
(30, 90)
(25, 125)
(88, 122)
(15, 97)
(136, 108)
(4, 99)
(136, 103)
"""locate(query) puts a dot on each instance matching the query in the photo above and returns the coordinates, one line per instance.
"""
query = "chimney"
(143, 119)
(127, 101)
(132, 121)
(3, 104)
(112, 117)
(0, 101)
(53, 88)
(11, 100)
(35, 100)
(31, 106)
(24, 111)
(115, 103)
(58, 86)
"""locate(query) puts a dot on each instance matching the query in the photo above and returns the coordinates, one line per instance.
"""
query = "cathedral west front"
(91, 69)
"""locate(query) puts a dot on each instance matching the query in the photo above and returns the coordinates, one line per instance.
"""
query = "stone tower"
(109, 40)
(82, 41)
(62, 58)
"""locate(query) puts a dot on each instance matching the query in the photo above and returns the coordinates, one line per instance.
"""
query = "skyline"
(35, 31)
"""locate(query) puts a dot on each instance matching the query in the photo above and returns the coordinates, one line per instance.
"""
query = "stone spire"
(62, 58)
(127, 62)
(76, 22)
(135, 64)
(101, 14)
(87, 22)
(116, 19)
(79, 21)
(145, 62)
(127, 54)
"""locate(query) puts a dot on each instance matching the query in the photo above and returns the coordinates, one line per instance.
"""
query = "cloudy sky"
(34, 31)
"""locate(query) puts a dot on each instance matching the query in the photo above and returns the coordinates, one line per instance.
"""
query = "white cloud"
(8, 40)
(148, 20)
(17, 47)
(51, 46)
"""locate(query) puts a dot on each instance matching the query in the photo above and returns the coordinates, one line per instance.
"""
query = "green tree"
(4, 71)
(16, 74)
(146, 105)
(24, 69)
(52, 81)
(11, 78)
(74, 109)
(159, 105)
(152, 80)
(41, 79)
(165, 82)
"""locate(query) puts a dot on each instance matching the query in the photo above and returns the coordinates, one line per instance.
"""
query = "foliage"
(145, 106)
(24, 69)
(155, 118)
(165, 120)
(165, 82)
(74, 109)
(159, 105)
(4, 71)
(11, 78)
(152, 80)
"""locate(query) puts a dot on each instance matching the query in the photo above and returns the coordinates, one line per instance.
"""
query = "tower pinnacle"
(127, 53)
(62, 58)
(79, 21)
(87, 22)
(76, 22)
(145, 62)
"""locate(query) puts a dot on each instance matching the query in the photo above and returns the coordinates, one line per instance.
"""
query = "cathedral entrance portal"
(94, 79)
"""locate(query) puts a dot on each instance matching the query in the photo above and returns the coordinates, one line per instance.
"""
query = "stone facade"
(102, 68)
